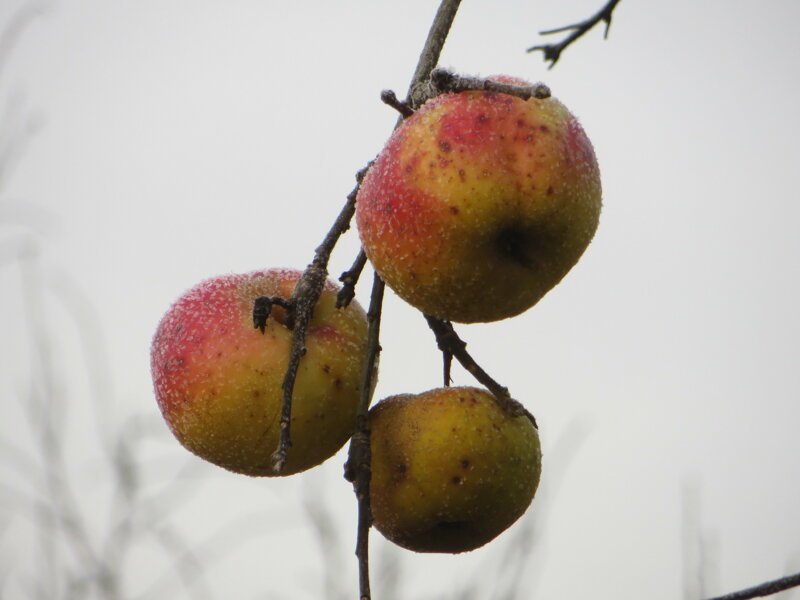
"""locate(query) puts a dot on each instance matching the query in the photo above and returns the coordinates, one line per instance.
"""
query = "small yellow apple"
(218, 380)
(450, 469)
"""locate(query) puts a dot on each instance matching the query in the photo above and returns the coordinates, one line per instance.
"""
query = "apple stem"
(552, 52)
(447, 366)
(262, 308)
(449, 343)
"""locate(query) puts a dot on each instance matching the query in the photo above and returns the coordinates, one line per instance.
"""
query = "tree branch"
(552, 52)
(764, 589)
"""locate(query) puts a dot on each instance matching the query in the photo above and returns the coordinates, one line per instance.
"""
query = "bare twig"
(552, 52)
(305, 297)
(349, 280)
(448, 341)
(764, 589)
(443, 80)
(429, 57)
(389, 98)
(358, 469)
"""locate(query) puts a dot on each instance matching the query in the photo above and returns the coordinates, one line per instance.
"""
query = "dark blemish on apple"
(465, 464)
(544, 129)
(214, 391)
(326, 368)
(399, 471)
(520, 123)
(529, 138)
(454, 210)
(461, 399)
(512, 242)
(462, 175)
(456, 480)
(550, 190)
(453, 429)
(445, 146)
(256, 393)
(337, 383)
(482, 118)
(219, 353)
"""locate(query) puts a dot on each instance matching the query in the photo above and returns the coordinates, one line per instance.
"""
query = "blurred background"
(147, 145)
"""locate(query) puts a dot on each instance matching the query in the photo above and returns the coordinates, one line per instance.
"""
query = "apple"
(480, 203)
(218, 379)
(450, 469)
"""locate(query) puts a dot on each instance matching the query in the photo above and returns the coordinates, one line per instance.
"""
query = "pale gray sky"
(179, 140)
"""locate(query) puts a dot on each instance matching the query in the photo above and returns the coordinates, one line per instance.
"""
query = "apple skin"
(218, 379)
(450, 469)
(480, 203)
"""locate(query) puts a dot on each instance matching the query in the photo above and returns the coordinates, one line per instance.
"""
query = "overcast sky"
(176, 140)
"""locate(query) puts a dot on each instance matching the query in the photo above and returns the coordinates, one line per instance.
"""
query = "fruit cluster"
(478, 205)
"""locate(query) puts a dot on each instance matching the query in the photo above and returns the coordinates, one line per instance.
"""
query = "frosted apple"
(218, 380)
(480, 203)
(450, 469)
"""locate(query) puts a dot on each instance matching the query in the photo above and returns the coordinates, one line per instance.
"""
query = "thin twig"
(448, 341)
(443, 80)
(389, 98)
(765, 589)
(429, 57)
(302, 303)
(552, 52)
(358, 468)
(349, 280)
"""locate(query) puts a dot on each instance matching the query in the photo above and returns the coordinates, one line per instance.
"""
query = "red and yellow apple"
(450, 469)
(480, 203)
(218, 379)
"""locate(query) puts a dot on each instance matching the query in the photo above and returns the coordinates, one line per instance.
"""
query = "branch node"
(389, 98)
